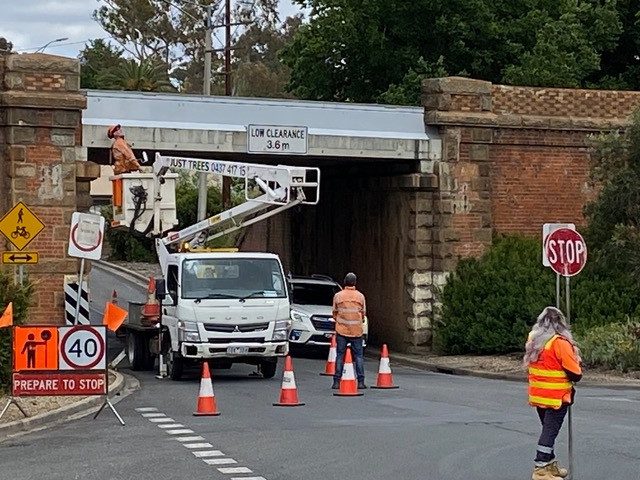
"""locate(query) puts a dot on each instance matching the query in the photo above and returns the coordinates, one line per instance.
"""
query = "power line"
(58, 45)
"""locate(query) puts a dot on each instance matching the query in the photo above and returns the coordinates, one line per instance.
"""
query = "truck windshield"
(232, 278)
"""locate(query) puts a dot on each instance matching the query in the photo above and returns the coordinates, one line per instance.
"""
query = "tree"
(353, 50)
(173, 31)
(144, 76)
(6, 46)
(96, 61)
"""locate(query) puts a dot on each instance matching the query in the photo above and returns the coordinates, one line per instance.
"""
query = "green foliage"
(20, 296)
(125, 245)
(356, 50)
(96, 61)
(613, 346)
(488, 303)
(143, 76)
(409, 90)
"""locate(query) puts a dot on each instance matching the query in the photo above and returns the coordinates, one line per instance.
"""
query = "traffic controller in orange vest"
(151, 309)
(289, 391)
(330, 367)
(385, 379)
(206, 399)
(348, 384)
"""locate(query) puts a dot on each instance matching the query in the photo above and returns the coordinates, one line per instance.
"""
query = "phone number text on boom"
(209, 166)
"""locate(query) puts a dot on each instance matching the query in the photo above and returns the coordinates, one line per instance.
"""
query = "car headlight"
(188, 332)
(299, 316)
(281, 330)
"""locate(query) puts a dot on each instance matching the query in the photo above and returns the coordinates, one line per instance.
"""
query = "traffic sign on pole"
(19, 258)
(566, 252)
(86, 236)
(20, 225)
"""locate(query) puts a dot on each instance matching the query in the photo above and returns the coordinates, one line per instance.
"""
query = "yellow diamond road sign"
(20, 225)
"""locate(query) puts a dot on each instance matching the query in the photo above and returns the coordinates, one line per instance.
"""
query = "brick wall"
(43, 164)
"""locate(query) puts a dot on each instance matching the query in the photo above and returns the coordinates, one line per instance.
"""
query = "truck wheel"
(269, 368)
(138, 351)
(175, 366)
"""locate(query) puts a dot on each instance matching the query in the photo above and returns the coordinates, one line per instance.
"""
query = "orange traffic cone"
(385, 379)
(206, 399)
(348, 384)
(289, 391)
(330, 367)
(151, 309)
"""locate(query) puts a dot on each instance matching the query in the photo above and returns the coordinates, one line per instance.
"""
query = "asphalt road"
(435, 427)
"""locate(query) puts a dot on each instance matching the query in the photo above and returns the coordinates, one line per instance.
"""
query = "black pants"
(551, 423)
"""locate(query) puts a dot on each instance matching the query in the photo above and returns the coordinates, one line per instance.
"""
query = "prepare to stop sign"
(566, 252)
(82, 348)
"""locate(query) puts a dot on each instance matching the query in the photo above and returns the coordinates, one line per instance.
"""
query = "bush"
(20, 296)
(614, 346)
(488, 303)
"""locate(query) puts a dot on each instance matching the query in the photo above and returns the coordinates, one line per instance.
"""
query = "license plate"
(238, 350)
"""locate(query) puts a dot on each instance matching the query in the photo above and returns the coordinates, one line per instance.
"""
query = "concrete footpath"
(119, 386)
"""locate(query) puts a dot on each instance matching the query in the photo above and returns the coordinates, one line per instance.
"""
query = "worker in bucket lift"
(349, 311)
(553, 360)
(122, 157)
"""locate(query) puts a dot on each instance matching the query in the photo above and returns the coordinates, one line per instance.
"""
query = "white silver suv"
(312, 322)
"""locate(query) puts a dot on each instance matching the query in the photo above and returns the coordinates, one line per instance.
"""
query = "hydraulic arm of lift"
(280, 188)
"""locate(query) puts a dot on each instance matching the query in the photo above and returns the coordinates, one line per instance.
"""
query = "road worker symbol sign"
(20, 225)
(83, 348)
(35, 348)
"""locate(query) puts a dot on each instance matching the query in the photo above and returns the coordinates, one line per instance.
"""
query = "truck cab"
(230, 307)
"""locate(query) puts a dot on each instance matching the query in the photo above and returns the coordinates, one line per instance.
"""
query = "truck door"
(169, 305)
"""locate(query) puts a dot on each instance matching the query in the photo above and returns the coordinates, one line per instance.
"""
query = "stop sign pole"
(565, 251)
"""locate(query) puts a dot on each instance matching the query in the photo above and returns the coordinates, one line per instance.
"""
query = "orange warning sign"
(35, 348)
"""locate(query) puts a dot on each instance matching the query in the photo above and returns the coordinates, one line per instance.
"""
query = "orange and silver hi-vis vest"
(349, 309)
(549, 385)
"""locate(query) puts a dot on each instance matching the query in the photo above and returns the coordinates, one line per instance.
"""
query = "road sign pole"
(79, 297)
(21, 275)
(558, 291)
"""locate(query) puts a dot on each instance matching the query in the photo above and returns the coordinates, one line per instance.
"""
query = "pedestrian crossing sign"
(20, 225)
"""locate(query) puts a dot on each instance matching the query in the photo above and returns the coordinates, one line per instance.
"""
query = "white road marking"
(179, 431)
(219, 461)
(248, 478)
(171, 425)
(153, 415)
(208, 453)
(190, 439)
(198, 445)
(235, 470)
(162, 420)
(146, 409)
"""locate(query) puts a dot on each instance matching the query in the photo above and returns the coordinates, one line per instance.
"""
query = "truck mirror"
(161, 289)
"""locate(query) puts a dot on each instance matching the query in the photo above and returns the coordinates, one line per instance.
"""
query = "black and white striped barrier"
(70, 303)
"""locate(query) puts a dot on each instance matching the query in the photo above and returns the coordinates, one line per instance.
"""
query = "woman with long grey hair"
(553, 361)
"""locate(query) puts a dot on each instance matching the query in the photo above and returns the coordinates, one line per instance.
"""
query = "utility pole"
(206, 90)
(226, 181)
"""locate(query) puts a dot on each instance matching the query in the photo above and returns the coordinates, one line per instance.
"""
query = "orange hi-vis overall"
(549, 385)
(349, 310)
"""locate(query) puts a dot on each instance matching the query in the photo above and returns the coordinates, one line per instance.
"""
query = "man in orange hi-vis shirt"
(123, 158)
(553, 361)
(349, 310)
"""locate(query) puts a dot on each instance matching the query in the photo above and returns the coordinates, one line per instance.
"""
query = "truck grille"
(322, 322)
(226, 328)
(237, 340)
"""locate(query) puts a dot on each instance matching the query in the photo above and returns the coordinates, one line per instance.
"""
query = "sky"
(30, 24)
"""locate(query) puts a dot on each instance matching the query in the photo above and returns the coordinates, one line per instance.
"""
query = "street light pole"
(206, 90)
(42, 48)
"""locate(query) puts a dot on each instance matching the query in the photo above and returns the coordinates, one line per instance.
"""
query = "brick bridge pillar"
(43, 164)
(513, 158)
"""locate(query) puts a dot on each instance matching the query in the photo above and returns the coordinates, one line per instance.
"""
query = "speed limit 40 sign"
(82, 347)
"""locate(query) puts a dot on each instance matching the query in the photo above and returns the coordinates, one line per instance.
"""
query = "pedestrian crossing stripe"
(70, 302)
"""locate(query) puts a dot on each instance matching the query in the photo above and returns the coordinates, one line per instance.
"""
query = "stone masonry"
(43, 164)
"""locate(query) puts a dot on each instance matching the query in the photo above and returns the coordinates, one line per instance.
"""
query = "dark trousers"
(551, 421)
(358, 354)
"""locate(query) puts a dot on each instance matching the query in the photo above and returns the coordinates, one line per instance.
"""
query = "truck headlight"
(281, 330)
(188, 332)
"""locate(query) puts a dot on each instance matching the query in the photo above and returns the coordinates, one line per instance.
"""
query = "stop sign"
(566, 251)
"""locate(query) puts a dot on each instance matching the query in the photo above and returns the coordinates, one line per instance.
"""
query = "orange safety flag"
(113, 316)
(6, 320)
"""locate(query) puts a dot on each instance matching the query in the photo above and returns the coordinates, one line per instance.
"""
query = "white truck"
(220, 306)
